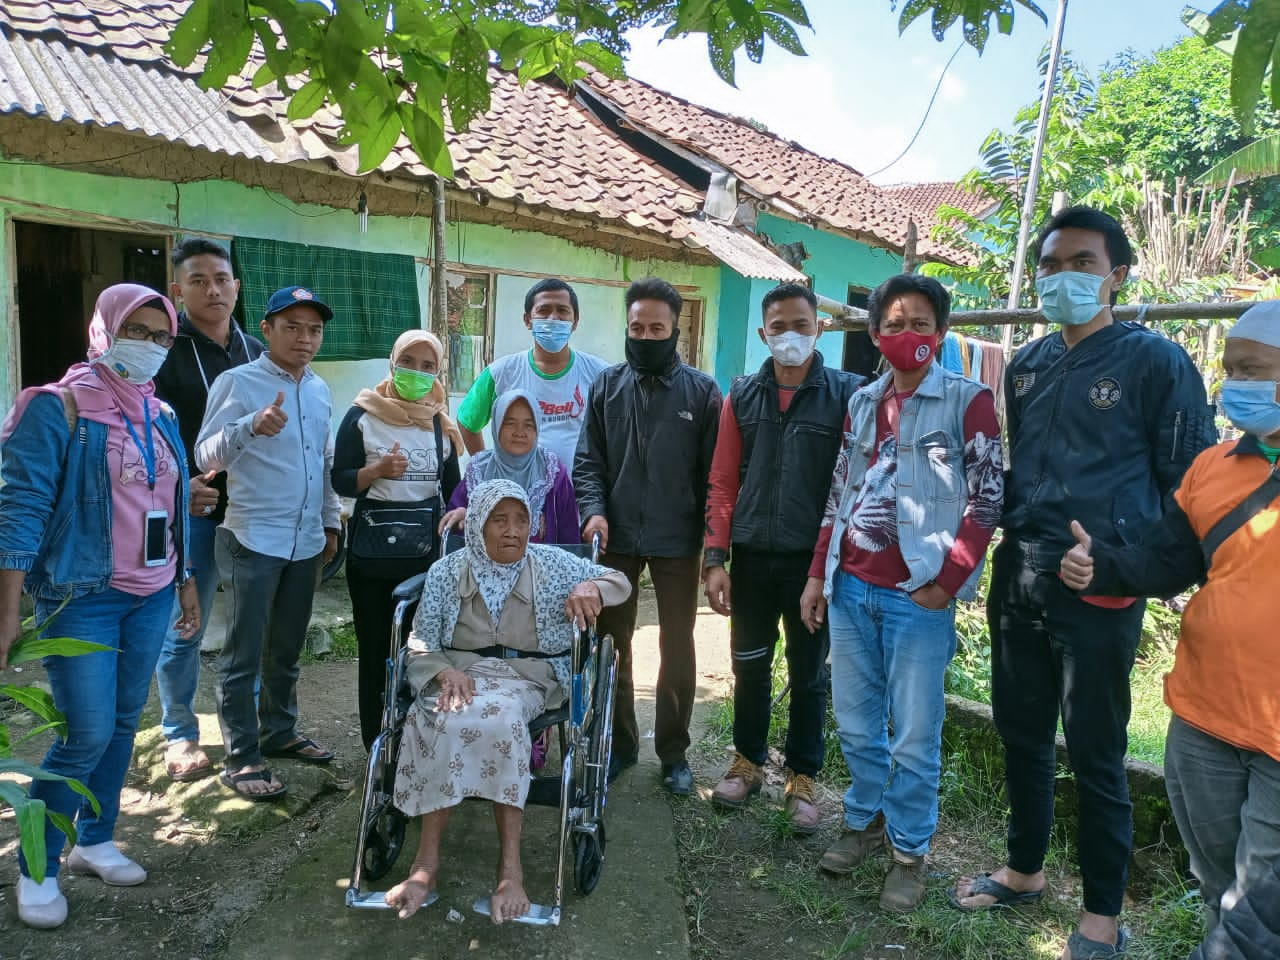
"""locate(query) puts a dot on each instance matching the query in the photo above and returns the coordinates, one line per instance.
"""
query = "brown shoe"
(802, 803)
(904, 886)
(742, 782)
(852, 847)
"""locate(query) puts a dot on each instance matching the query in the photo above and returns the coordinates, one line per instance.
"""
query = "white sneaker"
(41, 905)
(106, 861)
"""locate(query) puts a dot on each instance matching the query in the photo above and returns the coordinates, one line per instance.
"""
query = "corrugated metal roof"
(63, 82)
(741, 251)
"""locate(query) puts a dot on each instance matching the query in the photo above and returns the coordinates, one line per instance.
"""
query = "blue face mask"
(1070, 298)
(552, 335)
(1251, 405)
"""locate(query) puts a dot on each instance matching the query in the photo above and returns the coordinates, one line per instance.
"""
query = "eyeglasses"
(137, 331)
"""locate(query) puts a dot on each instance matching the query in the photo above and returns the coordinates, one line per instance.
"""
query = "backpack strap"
(70, 408)
(1246, 510)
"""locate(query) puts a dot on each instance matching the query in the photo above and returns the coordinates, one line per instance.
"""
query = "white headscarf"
(495, 580)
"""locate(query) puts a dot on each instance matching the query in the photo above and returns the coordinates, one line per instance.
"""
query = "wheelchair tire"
(588, 859)
(384, 839)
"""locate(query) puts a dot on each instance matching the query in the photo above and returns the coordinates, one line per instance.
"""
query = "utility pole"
(1033, 177)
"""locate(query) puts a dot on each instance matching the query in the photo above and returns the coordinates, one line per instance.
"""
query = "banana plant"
(30, 812)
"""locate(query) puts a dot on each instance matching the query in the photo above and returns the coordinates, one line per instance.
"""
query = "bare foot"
(509, 900)
(1020, 882)
(408, 896)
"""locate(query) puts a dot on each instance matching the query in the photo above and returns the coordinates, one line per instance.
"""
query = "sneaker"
(619, 763)
(106, 861)
(852, 847)
(742, 782)
(802, 803)
(677, 778)
(904, 886)
(41, 905)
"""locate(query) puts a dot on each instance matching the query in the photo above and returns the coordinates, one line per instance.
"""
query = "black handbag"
(395, 540)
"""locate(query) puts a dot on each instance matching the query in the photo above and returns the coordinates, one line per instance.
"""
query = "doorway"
(689, 344)
(61, 270)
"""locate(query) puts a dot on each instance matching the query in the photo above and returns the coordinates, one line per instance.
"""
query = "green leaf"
(378, 140)
(783, 34)
(191, 33)
(6, 748)
(1255, 48)
(792, 10)
(226, 58)
(1253, 162)
(721, 50)
(59, 727)
(31, 647)
(467, 86)
(539, 60)
(424, 127)
(354, 21)
(30, 816)
(38, 773)
(307, 100)
(63, 823)
(39, 702)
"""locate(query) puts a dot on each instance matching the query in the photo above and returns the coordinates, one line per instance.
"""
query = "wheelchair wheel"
(588, 859)
(383, 841)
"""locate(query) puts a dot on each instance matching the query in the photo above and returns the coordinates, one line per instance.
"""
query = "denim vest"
(55, 505)
(932, 489)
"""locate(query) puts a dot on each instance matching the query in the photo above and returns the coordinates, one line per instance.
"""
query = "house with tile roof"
(111, 153)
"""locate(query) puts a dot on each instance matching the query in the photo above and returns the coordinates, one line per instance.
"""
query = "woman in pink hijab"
(93, 513)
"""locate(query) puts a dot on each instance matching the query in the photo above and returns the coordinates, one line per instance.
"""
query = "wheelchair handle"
(595, 547)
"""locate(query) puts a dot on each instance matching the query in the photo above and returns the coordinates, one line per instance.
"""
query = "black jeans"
(1051, 652)
(371, 614)
(675, 586)
(763, 588)
(268, 604)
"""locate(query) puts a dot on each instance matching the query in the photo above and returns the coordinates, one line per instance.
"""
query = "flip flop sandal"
(232, 780)
(1082, 948)
(1005, 896)
(294, 751)
(198, 772)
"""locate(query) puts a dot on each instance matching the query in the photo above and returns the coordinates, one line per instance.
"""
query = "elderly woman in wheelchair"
(489, 652)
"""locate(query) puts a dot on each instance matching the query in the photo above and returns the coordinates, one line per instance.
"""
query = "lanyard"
(200, 365)
(149, 451)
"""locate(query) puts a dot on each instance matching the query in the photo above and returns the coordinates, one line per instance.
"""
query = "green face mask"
(412, 385)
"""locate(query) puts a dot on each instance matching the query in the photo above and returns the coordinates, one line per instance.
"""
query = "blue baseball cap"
(287, 297)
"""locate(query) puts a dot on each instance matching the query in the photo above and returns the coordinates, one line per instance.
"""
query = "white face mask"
(791, 349)
(136, 361)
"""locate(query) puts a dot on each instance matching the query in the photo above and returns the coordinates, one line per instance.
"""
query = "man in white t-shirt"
(558, 377)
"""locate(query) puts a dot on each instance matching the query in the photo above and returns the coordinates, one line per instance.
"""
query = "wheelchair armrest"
(410, 589)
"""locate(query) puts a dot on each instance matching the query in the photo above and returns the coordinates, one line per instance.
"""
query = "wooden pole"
(909, 259)
(439, 282)
(844, 317)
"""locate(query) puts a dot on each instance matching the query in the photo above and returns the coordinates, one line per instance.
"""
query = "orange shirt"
(1226, 676)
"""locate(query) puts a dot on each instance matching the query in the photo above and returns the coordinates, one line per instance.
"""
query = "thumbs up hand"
(271, 419)
(393, 464)
(203, 498)
(1076, 568)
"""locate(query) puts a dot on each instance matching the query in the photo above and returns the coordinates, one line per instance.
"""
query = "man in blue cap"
(267, 426)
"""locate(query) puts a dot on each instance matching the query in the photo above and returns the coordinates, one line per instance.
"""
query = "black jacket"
(1251, 929)
(1101, 433)
(643, 457)
(194, 362)
(787, 458)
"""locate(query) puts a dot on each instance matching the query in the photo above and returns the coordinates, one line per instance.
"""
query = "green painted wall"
(834, 263)
(31, 191)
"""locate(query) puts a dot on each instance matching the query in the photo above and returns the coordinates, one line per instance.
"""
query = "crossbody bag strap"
(1246, 510)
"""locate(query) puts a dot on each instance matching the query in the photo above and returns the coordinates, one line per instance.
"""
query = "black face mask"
(652, 357)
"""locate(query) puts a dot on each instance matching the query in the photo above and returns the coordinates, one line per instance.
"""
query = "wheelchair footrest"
(544, 791)
(538, 915)
(377, 900)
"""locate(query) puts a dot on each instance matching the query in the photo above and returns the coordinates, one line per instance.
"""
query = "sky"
(863, 89)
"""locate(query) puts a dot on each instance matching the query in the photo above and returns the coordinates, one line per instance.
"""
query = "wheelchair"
(584, 726)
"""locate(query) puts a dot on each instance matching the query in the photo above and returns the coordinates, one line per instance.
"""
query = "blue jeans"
(178, 670)
(102, 695)
(889, 659)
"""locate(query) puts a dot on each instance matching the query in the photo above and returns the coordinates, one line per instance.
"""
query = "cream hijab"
(388, 406)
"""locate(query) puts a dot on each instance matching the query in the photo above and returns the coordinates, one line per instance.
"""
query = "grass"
(747, 867)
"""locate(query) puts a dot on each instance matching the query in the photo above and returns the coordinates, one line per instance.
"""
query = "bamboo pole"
(844, 317)
(439, 282)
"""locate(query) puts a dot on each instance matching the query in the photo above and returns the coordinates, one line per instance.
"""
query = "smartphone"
(155, 550)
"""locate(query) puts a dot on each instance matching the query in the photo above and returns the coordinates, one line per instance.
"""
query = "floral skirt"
(480, 751)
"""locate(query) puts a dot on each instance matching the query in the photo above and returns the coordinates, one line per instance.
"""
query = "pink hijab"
(100, 394)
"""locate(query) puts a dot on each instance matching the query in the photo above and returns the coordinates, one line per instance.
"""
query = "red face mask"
(908, 350)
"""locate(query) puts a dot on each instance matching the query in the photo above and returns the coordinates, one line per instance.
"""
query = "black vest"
(787, 458)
